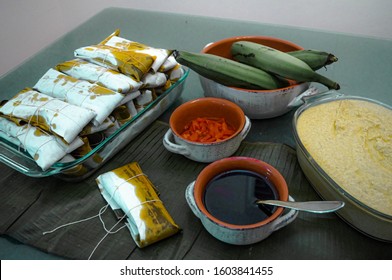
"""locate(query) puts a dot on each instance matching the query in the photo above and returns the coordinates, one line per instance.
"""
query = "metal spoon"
(309, 206)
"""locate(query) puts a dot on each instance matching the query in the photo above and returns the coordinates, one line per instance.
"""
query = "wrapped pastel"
(175, 73)
(159, 55)
(84, 70)
(48, 113)
(144, 99)
(128, 189)
(129, 97)
(93, 161)
(129, 62)
(44, 148)
(91, 129)
(153, 80)
(81, 93)
(8, 131)
(169, 64)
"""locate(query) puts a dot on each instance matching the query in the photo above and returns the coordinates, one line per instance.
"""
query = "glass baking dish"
(81, 168)
(359, 215)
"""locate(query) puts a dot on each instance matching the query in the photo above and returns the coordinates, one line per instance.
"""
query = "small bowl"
(232, 233)
(206, 107)
(256, 104)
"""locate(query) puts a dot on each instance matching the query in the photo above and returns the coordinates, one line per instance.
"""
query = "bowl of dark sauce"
(224, 194)
(231, 195)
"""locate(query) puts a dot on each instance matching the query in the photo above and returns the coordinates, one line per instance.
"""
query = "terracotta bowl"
(256, 104)
(206, 107)
(239, 234)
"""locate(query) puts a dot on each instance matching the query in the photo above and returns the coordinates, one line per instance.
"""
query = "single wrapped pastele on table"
(128, 189)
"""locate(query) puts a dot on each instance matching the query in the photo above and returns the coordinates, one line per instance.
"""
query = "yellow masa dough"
(351, 140)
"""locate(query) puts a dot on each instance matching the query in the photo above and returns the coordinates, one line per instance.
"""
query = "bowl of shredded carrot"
(206, 129)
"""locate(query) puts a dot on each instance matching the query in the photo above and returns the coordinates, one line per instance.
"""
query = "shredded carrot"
(207, 130)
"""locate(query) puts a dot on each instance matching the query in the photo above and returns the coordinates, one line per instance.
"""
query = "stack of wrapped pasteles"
(102, 88)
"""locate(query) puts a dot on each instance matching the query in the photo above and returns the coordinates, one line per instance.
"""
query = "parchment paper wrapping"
(44, 148)
(131, 63)
(128, 189)
(93, 73)
(159, 55)
(80, 93)
(50, 114)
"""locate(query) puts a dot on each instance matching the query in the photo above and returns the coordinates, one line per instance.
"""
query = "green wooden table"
(364, 69)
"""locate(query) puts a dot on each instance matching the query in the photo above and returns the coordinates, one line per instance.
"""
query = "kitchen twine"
(128, 47)
(29, 126)
(36, 114)
(108, 52)
(104, 54)
(101, 211)
(64, 97)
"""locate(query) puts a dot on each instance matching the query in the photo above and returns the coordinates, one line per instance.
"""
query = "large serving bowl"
(357, 213)
(257, 104)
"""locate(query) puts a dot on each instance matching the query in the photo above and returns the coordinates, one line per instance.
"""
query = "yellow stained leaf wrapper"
(84, 70)
(50, 114)
(129, 62)
(44, 148)
(159, 55)
(129, 189)
(100, 100)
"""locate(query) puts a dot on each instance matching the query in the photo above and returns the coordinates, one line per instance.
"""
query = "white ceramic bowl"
(256, 104)
(206, 107)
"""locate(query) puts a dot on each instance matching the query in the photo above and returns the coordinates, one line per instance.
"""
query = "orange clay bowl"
(206, 107)
(233, 233)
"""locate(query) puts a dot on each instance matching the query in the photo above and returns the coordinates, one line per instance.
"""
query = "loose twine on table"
(101, 211)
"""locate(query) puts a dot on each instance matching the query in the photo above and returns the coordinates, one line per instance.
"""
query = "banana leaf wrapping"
(159, 55)
(81, 93)
(50, 114)
(129, 62)
(44, 148)
(93, 161)
(122, 114)
(129, 189)
(102, 76)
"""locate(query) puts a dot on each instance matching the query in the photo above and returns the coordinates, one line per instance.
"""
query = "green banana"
(229, 72)
(277, 62)
(314, 58)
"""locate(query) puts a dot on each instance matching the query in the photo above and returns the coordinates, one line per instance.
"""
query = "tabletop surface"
(364, 69)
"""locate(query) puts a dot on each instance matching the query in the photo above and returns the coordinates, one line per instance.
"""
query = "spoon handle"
(309, 206)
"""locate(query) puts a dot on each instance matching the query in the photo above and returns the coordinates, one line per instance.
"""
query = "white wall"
(26, 26)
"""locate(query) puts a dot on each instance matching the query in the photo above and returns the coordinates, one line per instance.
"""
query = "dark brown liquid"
(230, 197)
